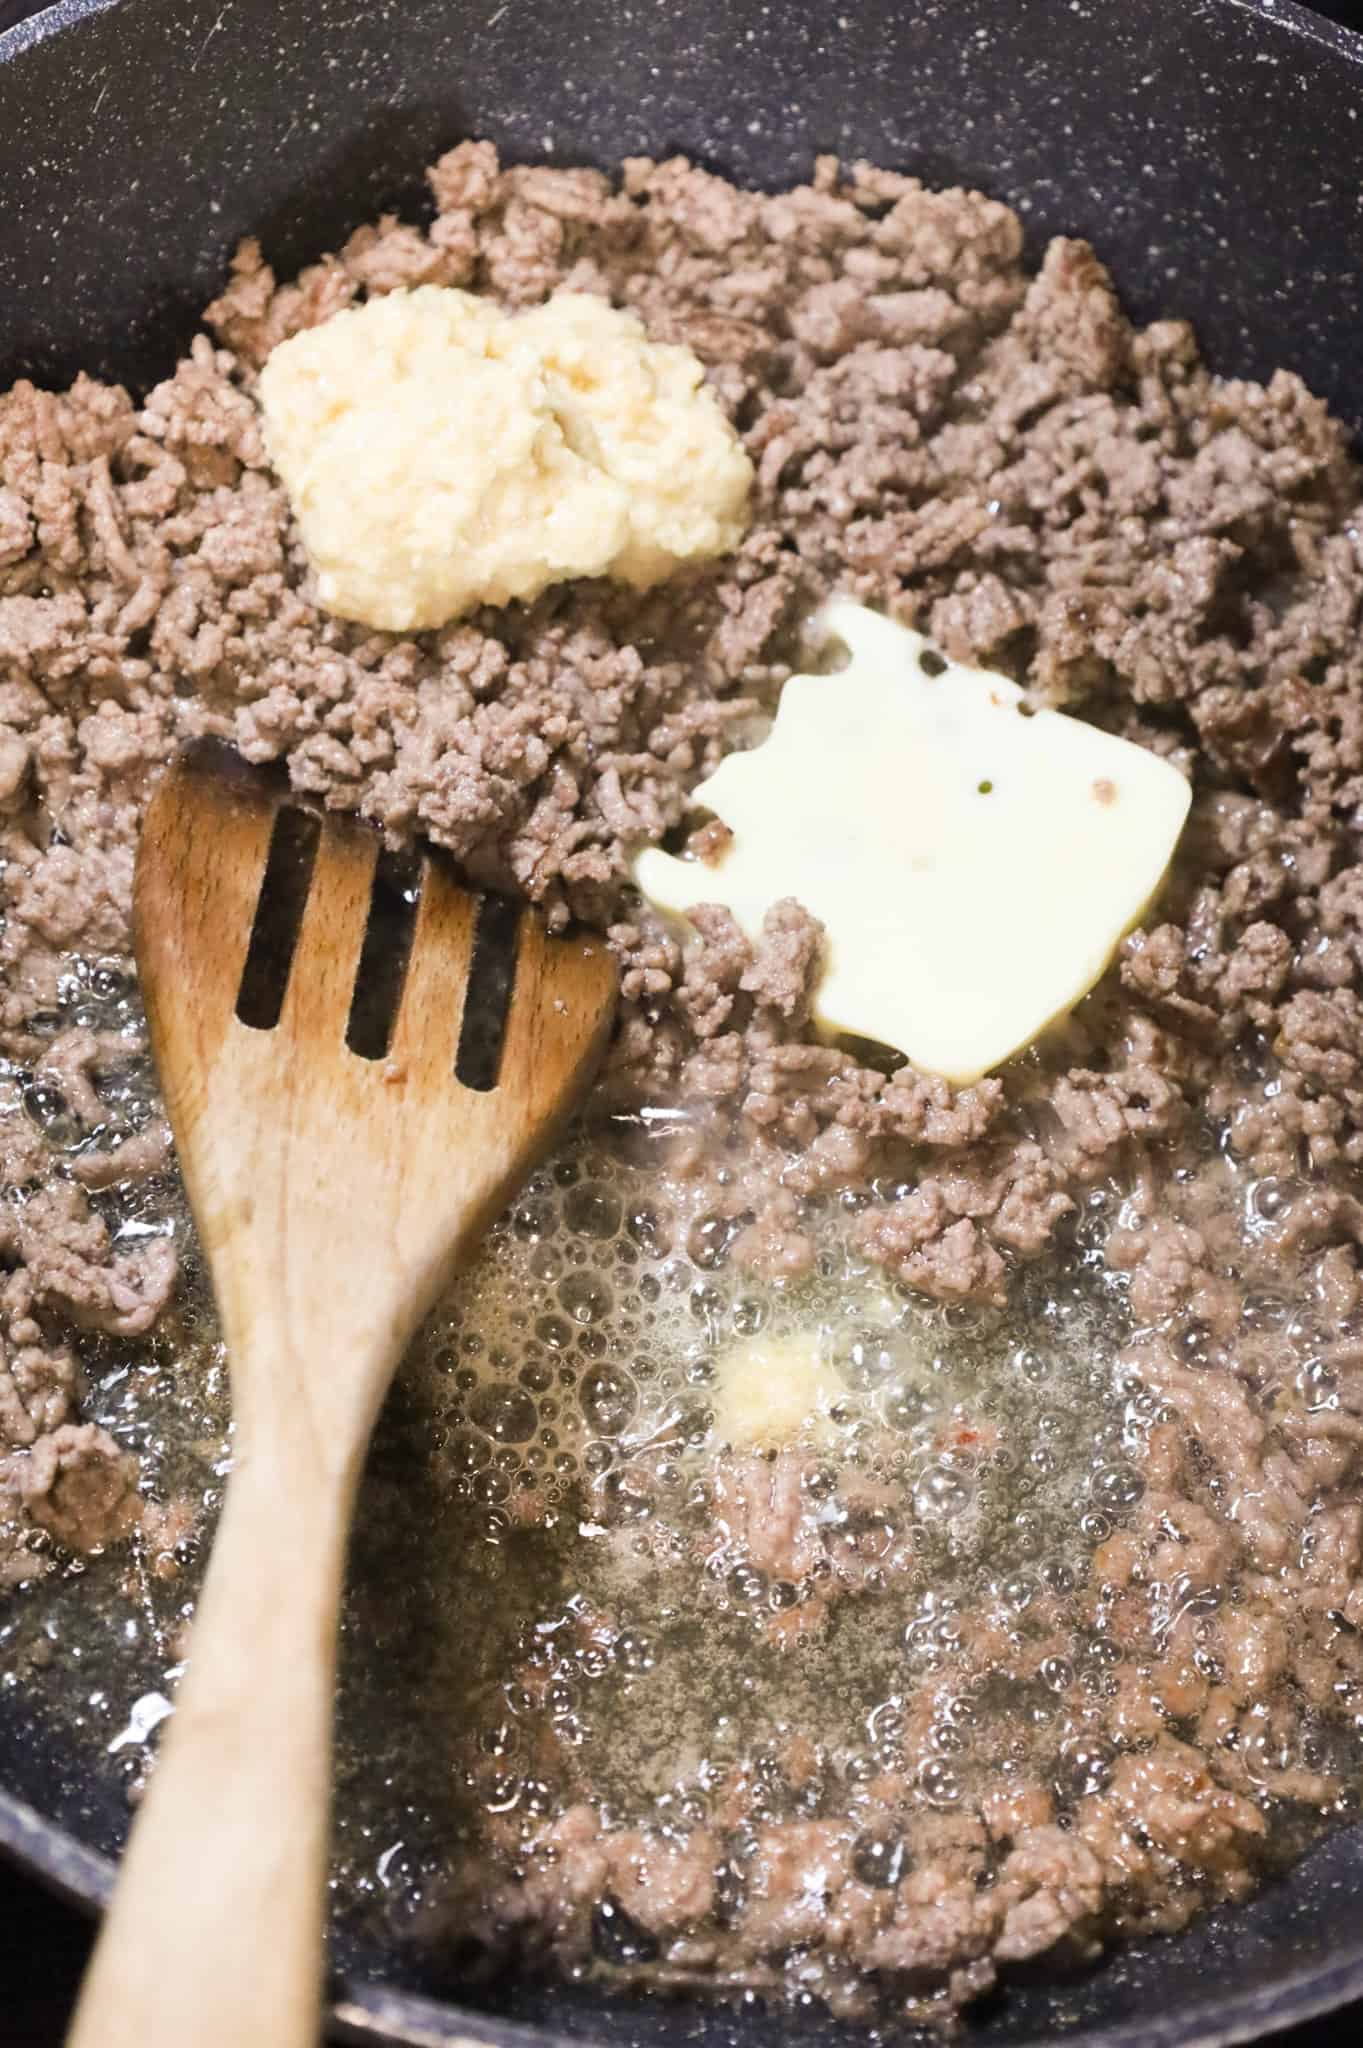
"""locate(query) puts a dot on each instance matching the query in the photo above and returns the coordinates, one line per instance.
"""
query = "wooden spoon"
(333, 1194)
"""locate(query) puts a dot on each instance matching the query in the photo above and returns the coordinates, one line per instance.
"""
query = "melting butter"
(768, 1390)
(975, 865)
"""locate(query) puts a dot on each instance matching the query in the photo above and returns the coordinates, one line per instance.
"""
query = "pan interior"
(73, 1727)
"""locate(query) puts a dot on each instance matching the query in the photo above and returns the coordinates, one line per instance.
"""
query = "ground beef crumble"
(1001, 460)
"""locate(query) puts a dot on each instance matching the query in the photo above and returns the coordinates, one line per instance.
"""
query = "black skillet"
(1212, 149)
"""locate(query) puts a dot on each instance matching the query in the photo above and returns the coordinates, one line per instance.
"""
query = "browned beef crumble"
(1001, 460)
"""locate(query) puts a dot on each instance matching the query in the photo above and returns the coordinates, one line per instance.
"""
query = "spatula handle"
(215, 1934)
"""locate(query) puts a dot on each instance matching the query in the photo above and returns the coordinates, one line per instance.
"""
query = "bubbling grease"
(601, 1628)
(586, 1339)
(570, 1380)
(553, 1603)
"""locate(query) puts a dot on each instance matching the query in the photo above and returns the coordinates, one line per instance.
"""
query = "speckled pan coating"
(1211, 149)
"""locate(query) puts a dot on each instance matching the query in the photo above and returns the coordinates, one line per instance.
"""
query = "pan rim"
(373, 2014)
(48, 21)
(1294, 15)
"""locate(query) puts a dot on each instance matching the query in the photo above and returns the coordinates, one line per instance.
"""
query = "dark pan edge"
(66, 1866)
(371, 2014)
(372, 2017)
(1302, 19)
(36, 28)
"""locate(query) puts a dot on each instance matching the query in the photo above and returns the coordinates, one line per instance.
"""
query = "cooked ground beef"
(1002, 460)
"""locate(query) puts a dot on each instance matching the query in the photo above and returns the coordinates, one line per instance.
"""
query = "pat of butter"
(975, 867)
(770, 1390)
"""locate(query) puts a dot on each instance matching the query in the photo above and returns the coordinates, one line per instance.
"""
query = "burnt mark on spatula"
(492, 975)
(385, 953)
(279, 916)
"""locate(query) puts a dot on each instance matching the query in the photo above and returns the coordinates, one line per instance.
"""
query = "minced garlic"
(440, 454)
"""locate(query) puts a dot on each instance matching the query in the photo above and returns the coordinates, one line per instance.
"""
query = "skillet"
(1213, 151)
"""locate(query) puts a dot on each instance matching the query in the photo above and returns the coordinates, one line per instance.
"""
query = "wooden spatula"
(333, 1194)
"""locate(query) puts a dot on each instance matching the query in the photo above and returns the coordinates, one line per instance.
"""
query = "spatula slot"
(279, 915)
(492, 974)
(384, 955)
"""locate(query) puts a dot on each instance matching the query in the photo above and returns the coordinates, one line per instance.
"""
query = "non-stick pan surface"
(1213, 151)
